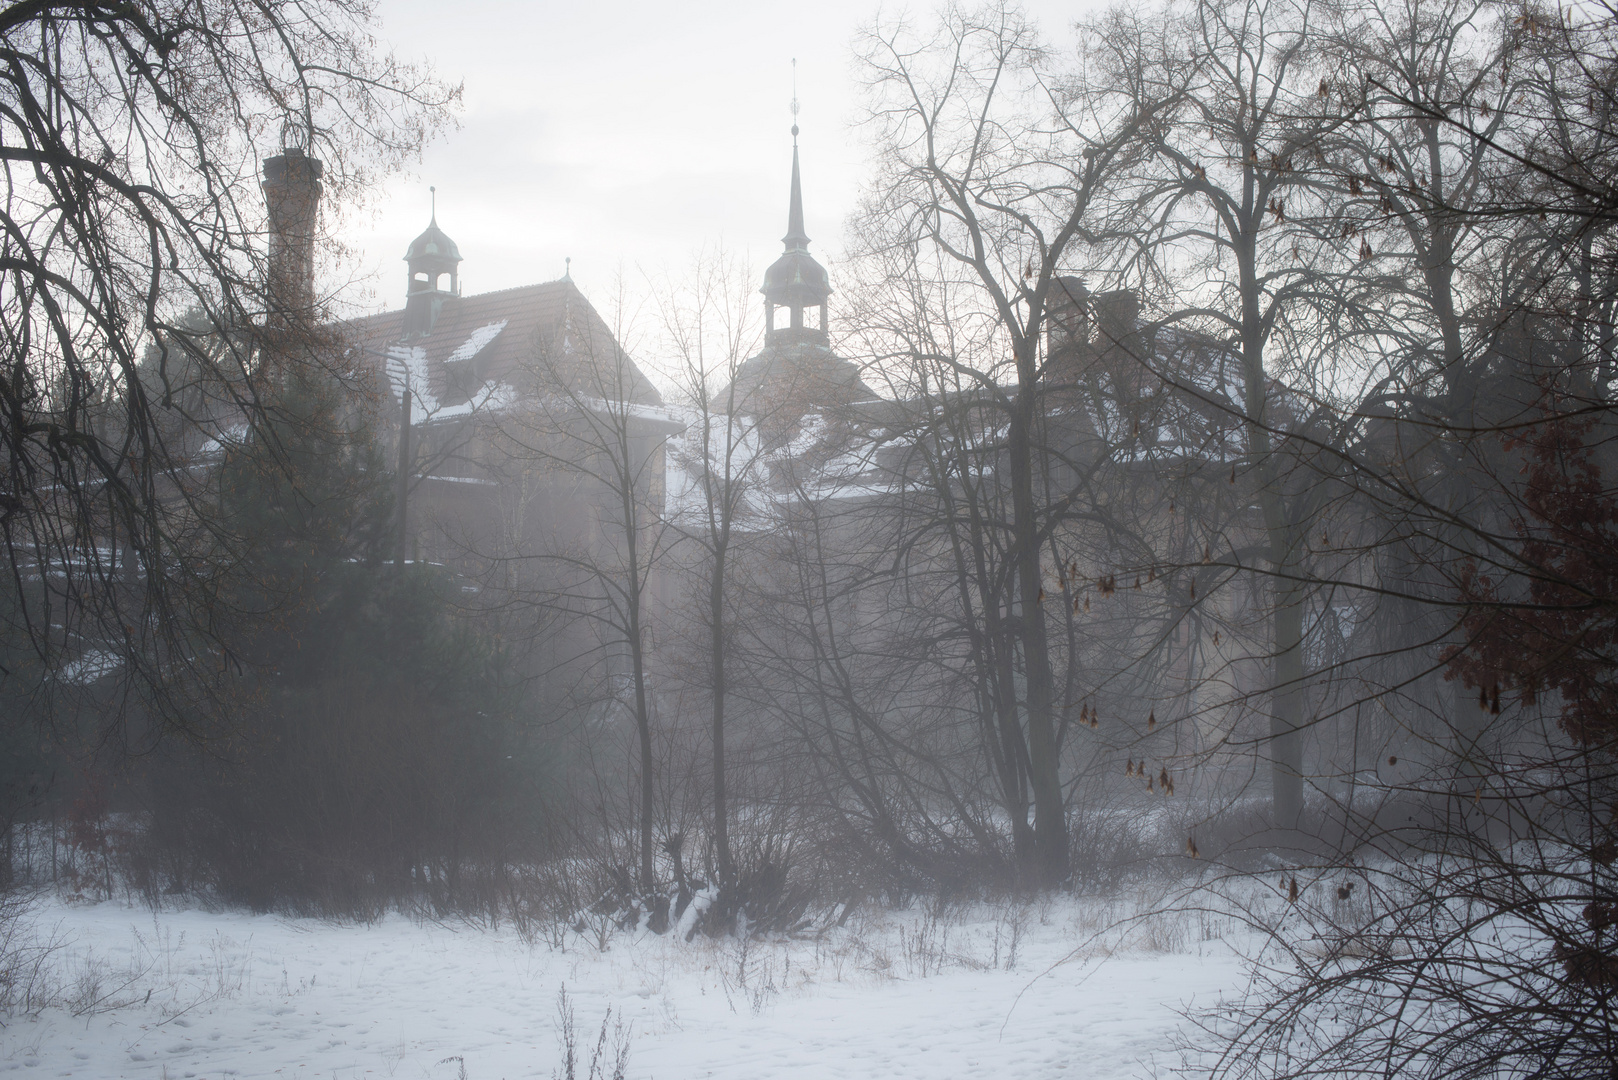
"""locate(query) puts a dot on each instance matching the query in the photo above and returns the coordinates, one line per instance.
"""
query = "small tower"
(1067, 317)
(292, 196)
(432, 257)
(796, 372)
(795, 281)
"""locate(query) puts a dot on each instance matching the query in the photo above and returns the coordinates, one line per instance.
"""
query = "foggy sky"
(626, 135)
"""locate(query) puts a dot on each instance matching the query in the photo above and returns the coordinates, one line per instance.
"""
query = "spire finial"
(432, 193)
(795, 239)
(794, 102)
(567, 268)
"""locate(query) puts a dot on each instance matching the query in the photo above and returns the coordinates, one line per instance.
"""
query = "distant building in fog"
(468, 365)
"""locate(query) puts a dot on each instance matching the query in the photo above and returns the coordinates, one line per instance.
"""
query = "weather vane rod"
(794, 101)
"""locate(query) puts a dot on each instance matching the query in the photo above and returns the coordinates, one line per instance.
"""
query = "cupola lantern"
(433, 261)
(795, 281)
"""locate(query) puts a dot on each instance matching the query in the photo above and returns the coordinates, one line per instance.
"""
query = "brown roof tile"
(550, 320)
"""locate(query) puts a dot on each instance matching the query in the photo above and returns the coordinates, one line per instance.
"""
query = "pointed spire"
(795, 239)
(795, 281)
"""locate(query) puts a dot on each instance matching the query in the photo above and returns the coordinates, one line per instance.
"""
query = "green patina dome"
(796, 280)
(433, 245)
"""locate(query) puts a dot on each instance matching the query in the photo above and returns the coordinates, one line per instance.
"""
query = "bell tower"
(795, 281)
(431, 259)
(796, 372)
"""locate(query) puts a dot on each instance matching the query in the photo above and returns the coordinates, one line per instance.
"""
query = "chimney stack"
(292, 195)
(1067, 317)
(1117, 318)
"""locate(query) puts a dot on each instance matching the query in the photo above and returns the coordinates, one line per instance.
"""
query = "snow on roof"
(684, 500)
(89, 667)
(407, 373)
(230, 435)
(633, 410)
(506, 331)
(478, 481)
(489, 397)
(474, 344)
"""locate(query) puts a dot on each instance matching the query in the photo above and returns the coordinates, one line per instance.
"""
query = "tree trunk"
(716, 616)
(1286, 707)
(1050, 820)
(401, 538)
(993, 676)
(643, 726)
(637, 654)
(1286, 619)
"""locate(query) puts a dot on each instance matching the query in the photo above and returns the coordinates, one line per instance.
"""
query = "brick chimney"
(292, 195)
(1117, 317)
(1067, 317)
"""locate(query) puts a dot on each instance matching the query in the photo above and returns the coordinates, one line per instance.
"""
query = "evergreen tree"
(367, 760)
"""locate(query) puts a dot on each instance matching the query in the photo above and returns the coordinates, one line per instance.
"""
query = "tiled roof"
(511, 336)
(797, 377)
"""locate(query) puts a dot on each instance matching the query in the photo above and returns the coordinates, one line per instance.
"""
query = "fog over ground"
(1128, 588)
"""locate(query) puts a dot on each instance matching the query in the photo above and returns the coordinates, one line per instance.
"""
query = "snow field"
(1029, 991)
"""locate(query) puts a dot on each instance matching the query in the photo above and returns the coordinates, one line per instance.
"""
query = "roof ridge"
(521, 288)
(535, 286)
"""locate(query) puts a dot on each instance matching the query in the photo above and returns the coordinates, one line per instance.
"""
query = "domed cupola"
(795, 281)
(433, 246)
(431, 258)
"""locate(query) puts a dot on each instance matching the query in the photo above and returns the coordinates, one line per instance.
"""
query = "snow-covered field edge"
(1060, 986)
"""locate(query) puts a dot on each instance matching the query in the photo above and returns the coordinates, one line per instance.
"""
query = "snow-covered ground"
(982, 991)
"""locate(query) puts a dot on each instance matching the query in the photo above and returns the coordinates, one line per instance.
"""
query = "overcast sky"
(627, 134)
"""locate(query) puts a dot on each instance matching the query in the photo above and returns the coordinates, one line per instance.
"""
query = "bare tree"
(1252, 258)
(1474, 938)
(589, 417)
(1415, 186)
(986, 161)
(710, 329)
(130, 200)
